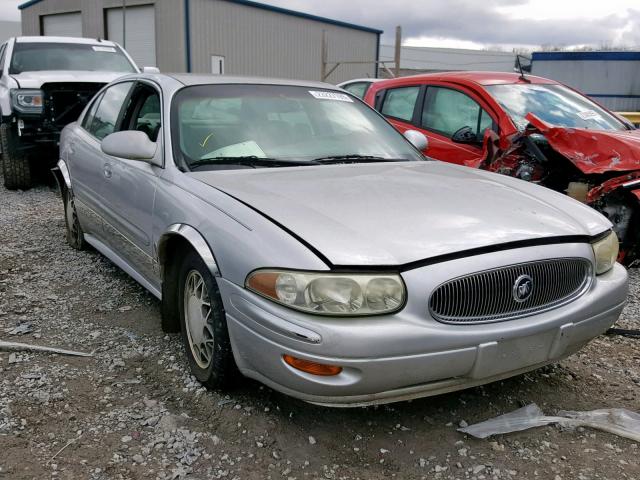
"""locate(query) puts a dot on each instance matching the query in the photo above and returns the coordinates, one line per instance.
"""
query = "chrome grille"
(488, 296)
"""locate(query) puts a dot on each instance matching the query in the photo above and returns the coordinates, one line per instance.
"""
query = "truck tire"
(16, 168)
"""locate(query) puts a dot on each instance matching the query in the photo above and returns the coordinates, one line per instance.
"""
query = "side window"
(88, 118)
(3, 50)
(108, 112)
(446, 111)
(147, 118)
(400, 102)
(358, 89)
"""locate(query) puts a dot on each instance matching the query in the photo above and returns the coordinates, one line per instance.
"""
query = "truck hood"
(593, 151)
(396, 213)
(37, 79)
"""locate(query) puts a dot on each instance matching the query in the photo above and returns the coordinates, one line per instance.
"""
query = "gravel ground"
(133, 411)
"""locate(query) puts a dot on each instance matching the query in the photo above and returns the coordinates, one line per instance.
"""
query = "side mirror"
(417, 139)
(131, 145)
(150, 70)
(465, 135)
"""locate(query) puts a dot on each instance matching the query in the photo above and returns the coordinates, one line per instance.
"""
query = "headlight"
(27, 101)
(606, 252)
(336, 294)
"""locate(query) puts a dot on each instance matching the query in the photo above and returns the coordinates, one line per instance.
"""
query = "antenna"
(522, 77)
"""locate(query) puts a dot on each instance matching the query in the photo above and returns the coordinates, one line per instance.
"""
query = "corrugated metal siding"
(253, 41)
(427, 59)
(258, 42)
(170, 49)
(597, 77)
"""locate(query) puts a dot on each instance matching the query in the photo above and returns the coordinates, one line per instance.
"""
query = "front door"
(131, 185)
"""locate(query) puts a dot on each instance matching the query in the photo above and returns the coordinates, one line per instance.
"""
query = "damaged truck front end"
(599, 168)
(51, 108)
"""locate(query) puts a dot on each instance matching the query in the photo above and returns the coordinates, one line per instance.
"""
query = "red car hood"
(593, 151)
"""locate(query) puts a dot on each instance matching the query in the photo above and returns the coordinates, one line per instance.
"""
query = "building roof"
(619, 56)
(445, 59)
(271, 8)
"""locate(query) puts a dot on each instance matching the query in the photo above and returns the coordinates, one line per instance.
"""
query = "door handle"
(107, 170)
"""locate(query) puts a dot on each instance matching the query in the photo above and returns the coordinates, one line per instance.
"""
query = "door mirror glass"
(417, 139)
(130, 145)
(465, 135)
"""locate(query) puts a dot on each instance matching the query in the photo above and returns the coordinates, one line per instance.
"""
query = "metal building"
(415, 60)
(236, 37)
(610, 78)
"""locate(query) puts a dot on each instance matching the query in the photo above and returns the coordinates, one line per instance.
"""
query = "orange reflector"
(312, 367)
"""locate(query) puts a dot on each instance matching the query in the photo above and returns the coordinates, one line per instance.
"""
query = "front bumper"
(408, 354)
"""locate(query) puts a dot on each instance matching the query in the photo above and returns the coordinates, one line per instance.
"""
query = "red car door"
(439, 111)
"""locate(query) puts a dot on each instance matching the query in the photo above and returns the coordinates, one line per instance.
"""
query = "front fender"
(61, 174)
(194, 238)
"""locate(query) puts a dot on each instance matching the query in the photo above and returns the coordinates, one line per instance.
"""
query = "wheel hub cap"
(197, 312)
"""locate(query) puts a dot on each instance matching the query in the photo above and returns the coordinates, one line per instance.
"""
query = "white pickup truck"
(45, 83)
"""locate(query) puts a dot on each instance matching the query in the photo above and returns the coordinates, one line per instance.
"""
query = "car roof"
(76, 40)
(478, 78)
(361, 80)
(204, 79)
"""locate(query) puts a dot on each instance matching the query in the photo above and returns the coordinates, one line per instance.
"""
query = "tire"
(204, 325)
(17, 171)
(75, 235)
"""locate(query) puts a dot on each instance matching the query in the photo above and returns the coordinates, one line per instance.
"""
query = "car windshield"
(279, 125)
(554, 104)
(37, 56)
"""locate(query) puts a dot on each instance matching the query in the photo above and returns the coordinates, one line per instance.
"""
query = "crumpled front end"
(601, 169)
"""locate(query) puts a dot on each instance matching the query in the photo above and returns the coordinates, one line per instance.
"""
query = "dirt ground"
(132, 411)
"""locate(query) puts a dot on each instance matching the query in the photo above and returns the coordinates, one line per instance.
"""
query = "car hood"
(593, 151)
(37, 79)
(396, 213)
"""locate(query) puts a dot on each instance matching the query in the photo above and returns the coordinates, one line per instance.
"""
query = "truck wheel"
(204, 325)
(75, 235)
(17, 171)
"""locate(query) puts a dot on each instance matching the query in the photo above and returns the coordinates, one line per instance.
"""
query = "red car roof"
(479, 78)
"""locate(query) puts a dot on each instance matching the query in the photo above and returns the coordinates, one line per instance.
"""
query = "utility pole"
(323, 54)
(124, 24)
(396, 69)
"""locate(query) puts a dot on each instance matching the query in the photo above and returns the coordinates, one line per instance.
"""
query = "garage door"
(140, 32)
(62, 25)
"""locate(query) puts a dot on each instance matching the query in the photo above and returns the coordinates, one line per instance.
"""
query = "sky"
(478, 24)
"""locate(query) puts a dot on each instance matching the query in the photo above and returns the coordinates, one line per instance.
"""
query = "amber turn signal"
(312, 367)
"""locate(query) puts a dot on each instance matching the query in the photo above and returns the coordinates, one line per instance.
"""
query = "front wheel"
(203, 324)
(17, 170)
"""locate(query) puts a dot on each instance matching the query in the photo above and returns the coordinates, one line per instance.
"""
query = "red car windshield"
(554, 104)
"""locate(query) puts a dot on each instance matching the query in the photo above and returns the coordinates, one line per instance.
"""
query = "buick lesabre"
(295, 237)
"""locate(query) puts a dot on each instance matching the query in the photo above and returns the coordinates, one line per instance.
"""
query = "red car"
(527, 127)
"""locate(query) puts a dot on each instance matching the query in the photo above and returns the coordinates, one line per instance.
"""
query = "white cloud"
(9, 9)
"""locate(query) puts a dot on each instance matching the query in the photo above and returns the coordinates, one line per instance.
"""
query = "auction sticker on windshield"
(588, 115)
(341, 97)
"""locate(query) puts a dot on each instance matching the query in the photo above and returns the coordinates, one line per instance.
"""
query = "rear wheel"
(75, 235)
(17, 171)
(203, 324)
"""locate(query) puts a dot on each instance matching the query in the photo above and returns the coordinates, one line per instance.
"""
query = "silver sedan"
(296, 238)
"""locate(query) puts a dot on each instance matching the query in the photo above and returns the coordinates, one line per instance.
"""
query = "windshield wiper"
(250, 161)
(355, 158)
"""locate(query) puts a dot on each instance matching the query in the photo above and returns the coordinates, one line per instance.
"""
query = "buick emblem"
(522, 288)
